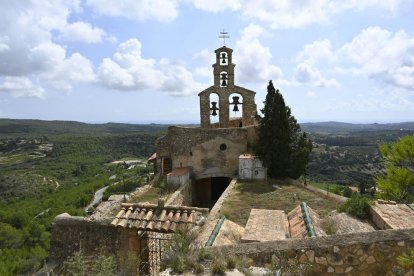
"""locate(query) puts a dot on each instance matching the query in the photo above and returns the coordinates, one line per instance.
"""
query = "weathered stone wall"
(367, 253)
(183, 196)
(70, 234)
(200, 149)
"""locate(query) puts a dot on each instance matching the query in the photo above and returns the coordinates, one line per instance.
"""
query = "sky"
(145, 61)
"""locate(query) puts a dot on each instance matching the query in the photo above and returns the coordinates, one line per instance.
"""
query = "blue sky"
(146, 60)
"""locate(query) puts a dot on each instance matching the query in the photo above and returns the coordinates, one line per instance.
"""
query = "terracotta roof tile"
(151, 217)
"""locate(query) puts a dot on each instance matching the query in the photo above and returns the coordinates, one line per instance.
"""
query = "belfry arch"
(224, 87)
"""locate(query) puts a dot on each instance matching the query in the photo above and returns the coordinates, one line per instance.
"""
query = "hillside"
(51, 167)
(36, 128)
(343, 128)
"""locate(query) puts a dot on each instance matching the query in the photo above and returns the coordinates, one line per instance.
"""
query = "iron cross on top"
(224, 35)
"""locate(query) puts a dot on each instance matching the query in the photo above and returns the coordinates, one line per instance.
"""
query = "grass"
(324, 186)
(261, 195)
(150, 195)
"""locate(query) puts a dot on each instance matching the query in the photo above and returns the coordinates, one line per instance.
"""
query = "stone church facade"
(227, 116)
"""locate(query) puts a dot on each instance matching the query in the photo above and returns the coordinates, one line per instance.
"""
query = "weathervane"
(224, 35)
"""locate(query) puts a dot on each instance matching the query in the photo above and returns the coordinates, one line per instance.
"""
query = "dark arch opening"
(207, 191)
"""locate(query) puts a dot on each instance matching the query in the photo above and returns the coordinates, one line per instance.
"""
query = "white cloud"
(382, 55)
(280, 14)
(217, 5)
(316, 51)
(128, 70)
(28, 50)
(21, 86)
(160, 10)
(83, 32)
(254, 59)
(305, 73)
(310, 94)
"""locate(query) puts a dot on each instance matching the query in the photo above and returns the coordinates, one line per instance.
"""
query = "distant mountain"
(24, 128)
(339, 127)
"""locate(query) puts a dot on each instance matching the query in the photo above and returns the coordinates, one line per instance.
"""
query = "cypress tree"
(281, 145)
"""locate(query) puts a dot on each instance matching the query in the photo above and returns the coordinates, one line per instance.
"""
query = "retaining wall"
(71, 233)
(368, 253)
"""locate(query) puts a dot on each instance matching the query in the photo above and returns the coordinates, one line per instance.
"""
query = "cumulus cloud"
(128, 70)
(217, 5)
(382, 55)
(283, 14)
(21, 86)
(83, 32)
(29, 52)
(254, 59)
(316, 51)
(160, 10)
(306, 73)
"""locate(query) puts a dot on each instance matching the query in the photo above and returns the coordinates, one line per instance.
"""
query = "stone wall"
(71, 233)
(183, 196)
(210, 152)
(368, 253)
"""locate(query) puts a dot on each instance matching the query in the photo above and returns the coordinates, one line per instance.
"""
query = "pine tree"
(399, 165)
(281, 145)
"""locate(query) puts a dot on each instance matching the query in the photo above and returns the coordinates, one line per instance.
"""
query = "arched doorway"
(207, 191)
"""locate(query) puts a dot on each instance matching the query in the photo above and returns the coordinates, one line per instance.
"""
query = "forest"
(45, 171)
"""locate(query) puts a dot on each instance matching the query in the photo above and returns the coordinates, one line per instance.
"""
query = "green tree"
(399, 165)
(281, 145)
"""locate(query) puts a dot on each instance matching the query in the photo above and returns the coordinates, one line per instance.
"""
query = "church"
(210, 154)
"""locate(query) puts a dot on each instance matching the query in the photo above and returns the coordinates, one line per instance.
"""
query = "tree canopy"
(399, 165)
(281, 145)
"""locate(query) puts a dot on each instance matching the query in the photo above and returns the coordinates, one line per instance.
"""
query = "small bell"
(214, 108)
(224, 79)
(223, 58)
(236, 100)
(236, 108)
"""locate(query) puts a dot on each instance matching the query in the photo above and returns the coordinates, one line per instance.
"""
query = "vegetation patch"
(262, 195)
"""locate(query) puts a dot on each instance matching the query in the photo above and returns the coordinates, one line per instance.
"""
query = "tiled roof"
(180, 171)
(157, 218)
(394, 216)
(297, 224)
(246, 156)
(152, 157)
(266, 225)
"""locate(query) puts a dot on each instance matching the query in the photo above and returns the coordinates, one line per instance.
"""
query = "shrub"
(407, 260)
(198, 268)
(231, 262)
(329, 226)
(218, 267)
(347, 192)
(180, 256)
(356, 206)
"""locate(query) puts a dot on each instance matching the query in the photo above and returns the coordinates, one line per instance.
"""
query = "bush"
(180, 256)
(357, 206)
(231, 262)
(218, 267)
(329, 226)
(347, 192)
(407, 260)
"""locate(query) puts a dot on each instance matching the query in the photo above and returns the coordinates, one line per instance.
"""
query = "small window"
(191, 153)
(223, 147)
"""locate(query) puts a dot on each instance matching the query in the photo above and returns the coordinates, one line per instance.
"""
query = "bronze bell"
(224, 79)
(214, 108)
(236, 100)
(223, 58)
(236, 108)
